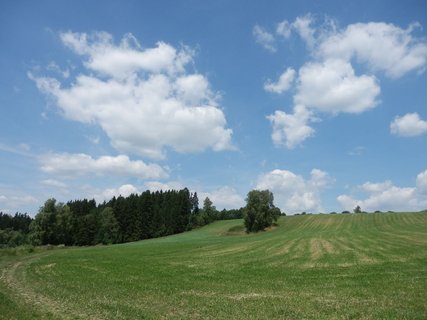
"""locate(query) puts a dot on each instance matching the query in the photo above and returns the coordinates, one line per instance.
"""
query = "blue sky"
(323, 103)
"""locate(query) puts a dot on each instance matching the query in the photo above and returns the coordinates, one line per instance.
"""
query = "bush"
(10, 238)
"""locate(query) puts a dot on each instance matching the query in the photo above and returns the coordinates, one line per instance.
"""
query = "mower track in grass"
(353, 266)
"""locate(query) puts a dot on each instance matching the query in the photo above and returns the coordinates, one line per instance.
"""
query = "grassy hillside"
(365, 266)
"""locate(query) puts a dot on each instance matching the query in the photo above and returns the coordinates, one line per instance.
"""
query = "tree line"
(121, 219)
(14, 229)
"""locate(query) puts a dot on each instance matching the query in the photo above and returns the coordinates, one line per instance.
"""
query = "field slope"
(364, 266)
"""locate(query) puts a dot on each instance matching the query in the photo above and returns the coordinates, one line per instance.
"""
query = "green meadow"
(353, 266)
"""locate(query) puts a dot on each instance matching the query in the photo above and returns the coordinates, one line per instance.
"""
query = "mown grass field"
(364, 266)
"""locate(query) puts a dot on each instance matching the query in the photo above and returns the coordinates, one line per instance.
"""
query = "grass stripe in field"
(361, 266)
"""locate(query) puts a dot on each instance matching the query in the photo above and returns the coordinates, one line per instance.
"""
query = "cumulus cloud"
(223, 197)
(421, 183)
(264, 38)
(124, 191)
(386, 196)
(381, 46)
(332, 86)
(83, 164)
(120, 61)
(293, 193)
(370, 187)
(283, 84)
(291, 129)
(409, 125)
(328, 82)
(144, 99)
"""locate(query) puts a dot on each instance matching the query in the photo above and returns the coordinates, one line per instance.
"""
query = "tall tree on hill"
(260, 211)
(158, 221)
(209, 210)
(87, 227)
(134, 222)
(108, 228)
(121, 217)
(52, 224)
(192, 220)
(43, 227)
(145, 207)
(64, 225)
(357, 209)
(184, 212)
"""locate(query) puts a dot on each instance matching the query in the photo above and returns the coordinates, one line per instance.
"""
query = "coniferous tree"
(108, 228)
(136, 217)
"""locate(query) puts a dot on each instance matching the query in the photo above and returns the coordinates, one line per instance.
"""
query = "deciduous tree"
(260, 211)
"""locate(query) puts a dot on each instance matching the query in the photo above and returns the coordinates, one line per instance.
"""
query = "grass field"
(355, 266)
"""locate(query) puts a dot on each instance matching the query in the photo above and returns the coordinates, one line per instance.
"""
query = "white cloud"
(124, 191)
(409, 125)
(381, 46)
(127, 58)
(144, 99)
(386, 196)
(292, 193)
(12, 203)
(421, 182)
(52, 66)
(83, 164)
(224, 197)
(54, 183)
(302, 25)
(283, 84)
(21, 149)
(194, 88)
(157, 185)
(284, 29)
(328, 83)
(370, 187)
(394, 198)
(332, 86)
(264, 38)
(291, 129)
(320, 179)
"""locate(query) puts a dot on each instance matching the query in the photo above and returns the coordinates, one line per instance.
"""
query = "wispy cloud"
(21, 149)
(264, 38)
